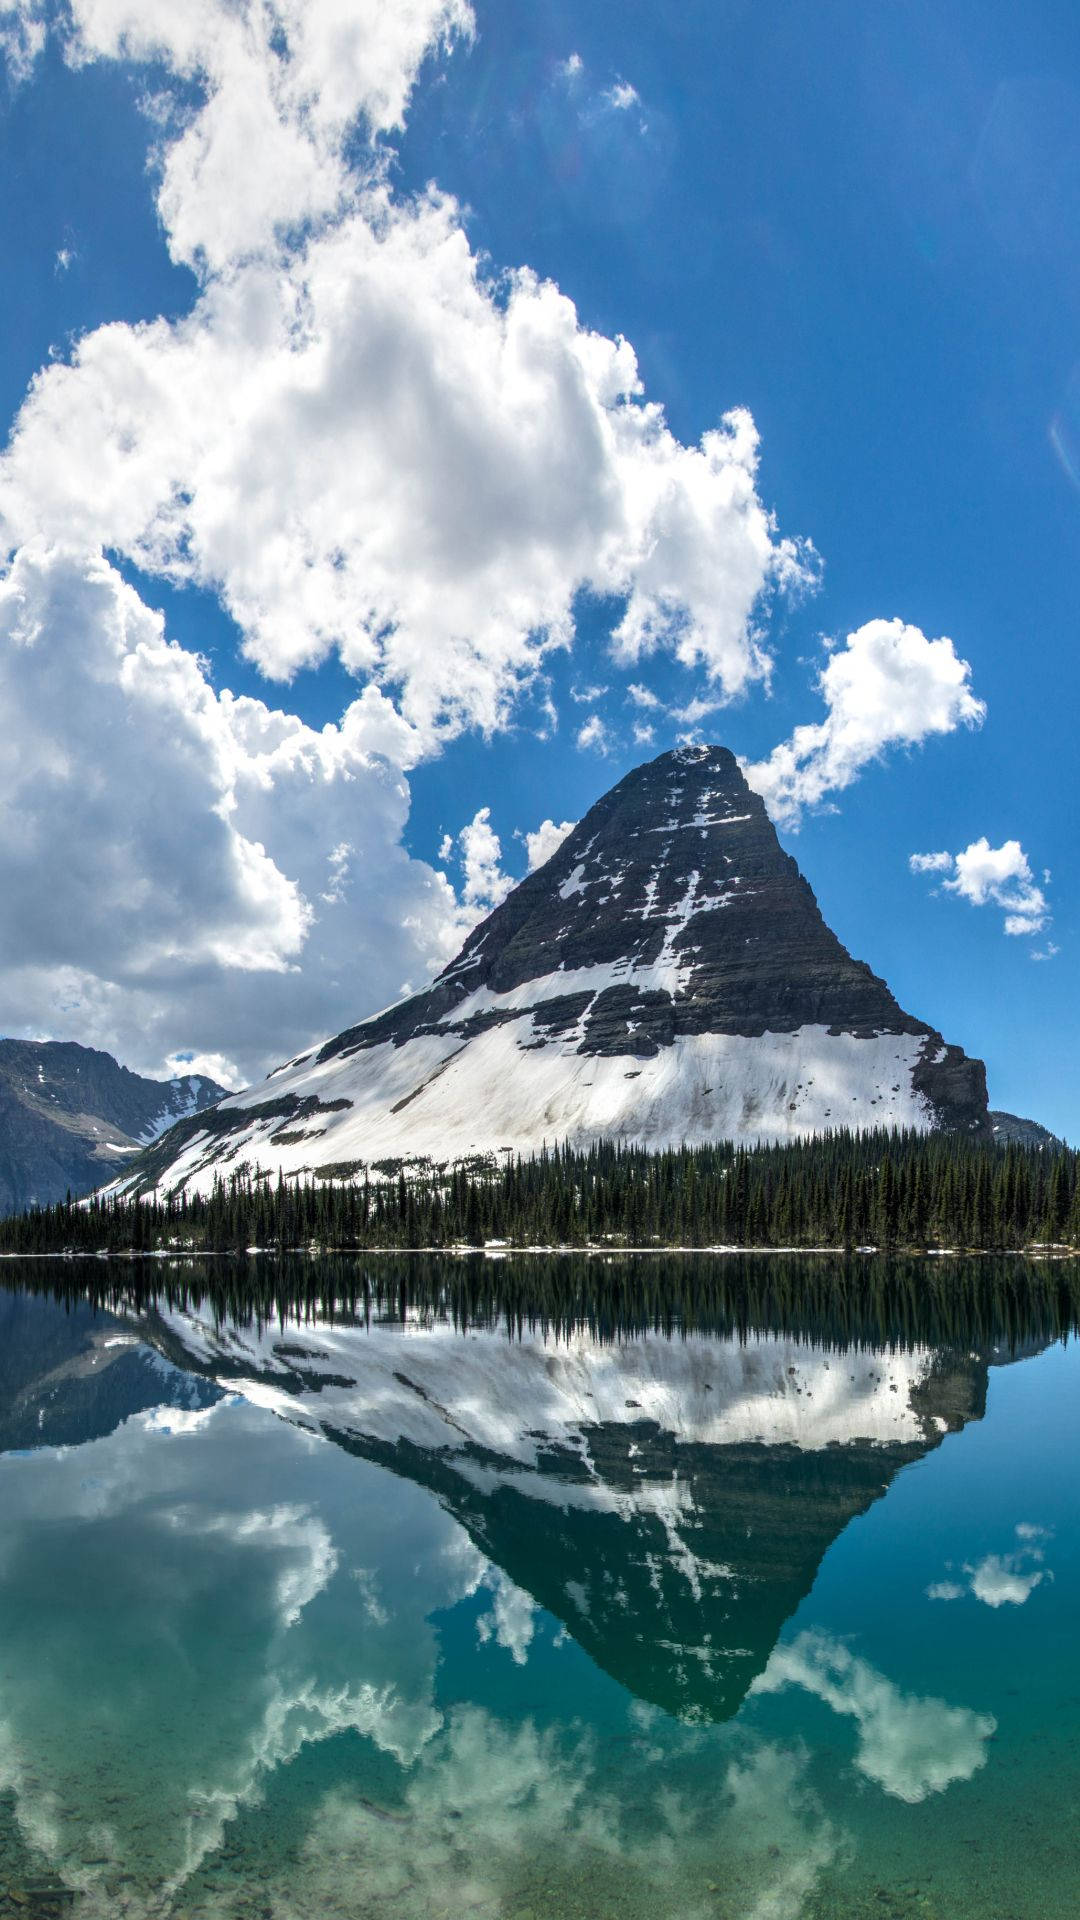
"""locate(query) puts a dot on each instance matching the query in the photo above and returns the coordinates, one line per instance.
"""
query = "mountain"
(667, 976)
(668, 1500)
(1009, 1130)
(71, 1118)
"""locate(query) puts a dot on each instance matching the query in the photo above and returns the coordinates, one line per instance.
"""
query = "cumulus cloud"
(355, 438)
(888, 686)
(184, 871)
(992, 876)
(622, 95)
(546, 840)
(485, 883)
(910, 1745)
(365, 443)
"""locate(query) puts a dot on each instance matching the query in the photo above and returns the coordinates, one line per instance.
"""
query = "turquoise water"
(367, 1614)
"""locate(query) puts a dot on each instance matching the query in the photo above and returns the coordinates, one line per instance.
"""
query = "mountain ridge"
(72, 1117)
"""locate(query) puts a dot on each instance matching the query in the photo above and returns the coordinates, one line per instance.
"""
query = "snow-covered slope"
(666, 977)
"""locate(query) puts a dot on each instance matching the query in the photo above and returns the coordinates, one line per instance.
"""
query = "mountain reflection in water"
(621, 1480)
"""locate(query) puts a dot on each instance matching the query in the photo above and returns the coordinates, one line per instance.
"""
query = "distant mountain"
(667, 976)
(73, 1118)
(1010, 1131)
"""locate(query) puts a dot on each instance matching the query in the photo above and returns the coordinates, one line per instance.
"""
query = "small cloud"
(586, 696)
(644, 736)
(480, 852)
(992, 876)
(694, 711)
(203, 1066)
(887, 686)
(642, 696)
(594, 734)
(22, 38)
(622, 95)
(573, 67)
(64, 259)
(945, 1590)
(547, 840)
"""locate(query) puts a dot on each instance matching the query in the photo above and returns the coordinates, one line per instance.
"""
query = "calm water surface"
(484, 1592)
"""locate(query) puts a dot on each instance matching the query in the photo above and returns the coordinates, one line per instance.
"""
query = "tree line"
(890, 1190)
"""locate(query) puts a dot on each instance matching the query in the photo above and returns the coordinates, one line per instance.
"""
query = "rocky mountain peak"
(672, 910)
(667, 976)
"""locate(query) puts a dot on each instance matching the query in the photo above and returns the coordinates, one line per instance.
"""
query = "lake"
(736, 1589)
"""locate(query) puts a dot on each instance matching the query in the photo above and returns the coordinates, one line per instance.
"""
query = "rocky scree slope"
(667, 976)
(71, 1118)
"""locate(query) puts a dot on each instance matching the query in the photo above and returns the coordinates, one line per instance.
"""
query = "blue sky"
(858, 224)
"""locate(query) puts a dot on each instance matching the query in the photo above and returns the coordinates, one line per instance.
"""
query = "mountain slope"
(667, 976)
(71, 1117)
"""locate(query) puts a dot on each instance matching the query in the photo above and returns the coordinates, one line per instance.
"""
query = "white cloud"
(587, 696)
(993, 876)
(546, 840)
(572, 66)
(182, 870)
(644, 736)
(354, 438)
(282, 79)
(642, 696)
(485, 883)
(887, 686)
(360, 442)
(22, 38)
(622, 95)
(593, 734)
(910, 1745)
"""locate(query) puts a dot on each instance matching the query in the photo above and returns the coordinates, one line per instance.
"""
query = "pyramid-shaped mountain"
(665, 977)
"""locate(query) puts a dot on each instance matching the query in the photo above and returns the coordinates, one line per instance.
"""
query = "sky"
(417, 416)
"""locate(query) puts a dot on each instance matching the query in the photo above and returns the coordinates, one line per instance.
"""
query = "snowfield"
(513, 1088)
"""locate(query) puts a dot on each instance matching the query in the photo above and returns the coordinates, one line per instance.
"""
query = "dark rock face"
(678, 867)
(71, 1118)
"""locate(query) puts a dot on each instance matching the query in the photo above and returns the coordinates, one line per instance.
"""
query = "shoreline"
(502, 1251)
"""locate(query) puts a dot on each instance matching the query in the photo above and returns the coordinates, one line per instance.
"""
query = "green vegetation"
(888, 1190)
